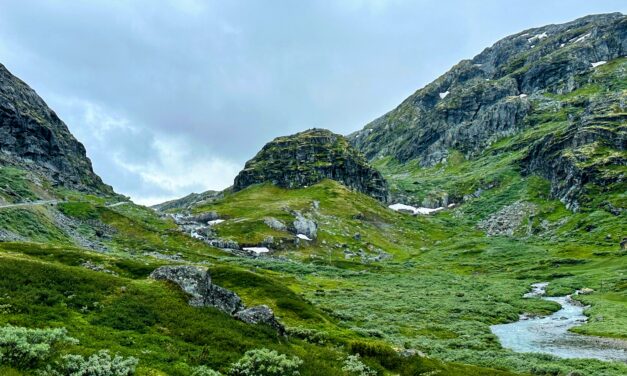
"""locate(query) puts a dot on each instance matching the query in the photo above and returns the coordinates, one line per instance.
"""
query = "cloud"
(175, 96)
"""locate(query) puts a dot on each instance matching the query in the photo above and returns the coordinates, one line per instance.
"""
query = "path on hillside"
(33, 203)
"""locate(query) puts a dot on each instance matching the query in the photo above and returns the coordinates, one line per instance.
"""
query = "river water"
(550, 335)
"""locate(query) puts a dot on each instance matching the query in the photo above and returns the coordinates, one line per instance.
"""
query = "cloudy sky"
(172, 97)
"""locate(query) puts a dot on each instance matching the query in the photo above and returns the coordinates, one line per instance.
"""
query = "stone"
(196, 282)
(275, 224)
(261, 315)
(305, 226)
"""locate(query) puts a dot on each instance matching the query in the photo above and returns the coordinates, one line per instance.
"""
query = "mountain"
(300, 267)
(188, 201)
(308, 157)
(33, 138)
(543, 75)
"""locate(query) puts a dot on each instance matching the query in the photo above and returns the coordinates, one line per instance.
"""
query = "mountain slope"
(33, 138)
(510, 87)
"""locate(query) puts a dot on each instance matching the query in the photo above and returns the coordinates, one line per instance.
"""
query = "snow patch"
(303, 236)
(215, 222)
(537, 37)
(594, 65)
(413, 209)
(522, 96)
(562, 45)
(196, 235)
(443, 95)
(257, 250)
(581, 38)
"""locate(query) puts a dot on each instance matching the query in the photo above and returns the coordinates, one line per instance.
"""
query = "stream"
(550, 334)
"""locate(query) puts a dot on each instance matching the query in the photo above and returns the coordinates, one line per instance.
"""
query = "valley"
(304, 264)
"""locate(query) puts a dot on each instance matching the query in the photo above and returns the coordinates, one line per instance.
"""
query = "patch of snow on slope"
(257, 250)
(443, 95)
(594, 65)
(413, 210)
(581, 38)
(303, 236)
(215, 222)
(537, 37)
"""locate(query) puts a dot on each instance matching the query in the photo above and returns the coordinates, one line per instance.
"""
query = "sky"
(173, 97)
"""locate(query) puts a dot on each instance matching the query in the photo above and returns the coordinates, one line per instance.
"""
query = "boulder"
(275, 224)
(305, 226)
(260, 315)
(223, 299)
(194, 280)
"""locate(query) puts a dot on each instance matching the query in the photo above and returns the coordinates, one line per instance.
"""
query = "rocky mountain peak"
(572, 74)
(308, 157)
(33, 137)
(485, 98)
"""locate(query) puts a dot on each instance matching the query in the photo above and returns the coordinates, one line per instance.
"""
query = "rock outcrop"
(32, 137)
(196, 282)
(260, 315)
(306, 158)
(495, 95)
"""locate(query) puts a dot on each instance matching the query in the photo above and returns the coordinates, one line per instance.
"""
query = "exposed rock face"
(493, 95)
(308, 157)
(260, 315)
(34, 138)
(305, 226)
(196, 282)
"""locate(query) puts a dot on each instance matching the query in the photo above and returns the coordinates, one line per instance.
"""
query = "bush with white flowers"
(265, 362)
(27, 348)
(98, 364)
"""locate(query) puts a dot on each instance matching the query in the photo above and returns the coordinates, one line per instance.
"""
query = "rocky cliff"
(308, 157)
(503, 90)
(32, 137)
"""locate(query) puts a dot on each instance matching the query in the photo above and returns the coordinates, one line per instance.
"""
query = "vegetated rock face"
(306, 158)
(196, 282)
(34, 138)
(491, 96)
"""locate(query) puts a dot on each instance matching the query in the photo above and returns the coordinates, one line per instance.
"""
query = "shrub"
(205, 371)
(98, 364)
(264, 362)
(354, 366)
(26, 348)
